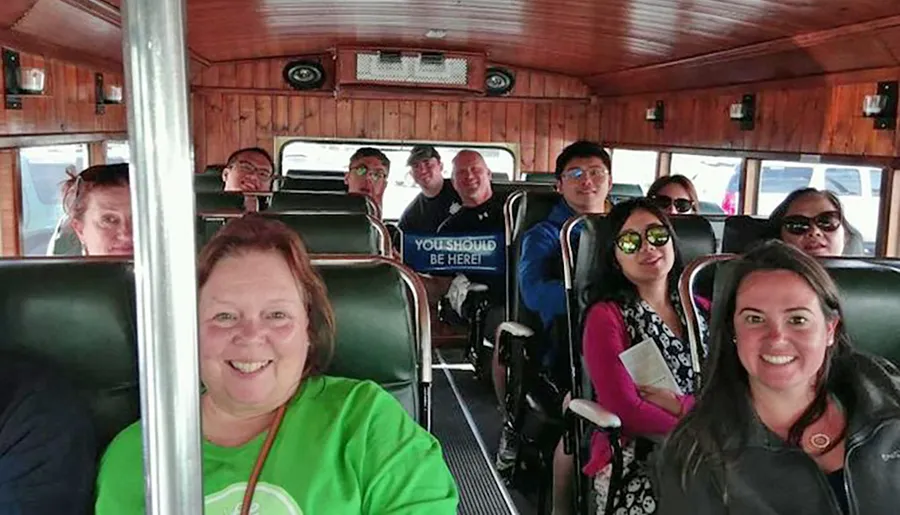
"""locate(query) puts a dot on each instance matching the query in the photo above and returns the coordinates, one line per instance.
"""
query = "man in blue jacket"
(583, 179)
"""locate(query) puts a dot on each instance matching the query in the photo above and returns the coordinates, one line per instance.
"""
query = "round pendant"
(820, 441)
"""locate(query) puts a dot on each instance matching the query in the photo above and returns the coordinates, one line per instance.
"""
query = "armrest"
(593, 413)
(515, 329)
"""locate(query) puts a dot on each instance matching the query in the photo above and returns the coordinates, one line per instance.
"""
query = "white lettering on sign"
(460, 244)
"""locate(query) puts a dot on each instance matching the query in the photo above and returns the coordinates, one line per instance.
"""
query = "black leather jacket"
(769, 477)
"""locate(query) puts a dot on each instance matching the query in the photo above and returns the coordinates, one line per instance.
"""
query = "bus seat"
(383, 331)
(79, 317)
(219, 200)
(213, 170)
(742, 232)
(548, 177)
(870, 294)
(622, 191)
(208, 183)
(310, 184)
(322, 202)
(696, 237)
(350, 233)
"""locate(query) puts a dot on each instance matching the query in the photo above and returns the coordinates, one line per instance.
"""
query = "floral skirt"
(635, 496)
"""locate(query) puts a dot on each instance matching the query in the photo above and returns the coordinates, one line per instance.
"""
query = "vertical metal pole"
(163, 206)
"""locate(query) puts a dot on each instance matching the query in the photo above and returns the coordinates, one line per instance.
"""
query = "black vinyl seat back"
(219, 200)
(79, 318)
(310, 184)
(546, 177)
(376, 335)
(321, 202)
(208, 183)
(350, 233)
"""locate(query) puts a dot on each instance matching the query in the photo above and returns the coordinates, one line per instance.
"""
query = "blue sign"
(484, 254)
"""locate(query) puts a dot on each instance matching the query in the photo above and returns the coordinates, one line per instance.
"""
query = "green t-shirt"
(344, 447)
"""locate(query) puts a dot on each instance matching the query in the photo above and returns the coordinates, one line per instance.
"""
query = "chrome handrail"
(687, 295)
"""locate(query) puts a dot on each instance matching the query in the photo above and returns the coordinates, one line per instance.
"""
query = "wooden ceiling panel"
(12, 10)
(63, 24)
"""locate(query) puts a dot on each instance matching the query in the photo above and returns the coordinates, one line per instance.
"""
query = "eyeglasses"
(247, 168)
(630, 242)
(577, 174)
(375, 174)
(828, 221)
(664, 202)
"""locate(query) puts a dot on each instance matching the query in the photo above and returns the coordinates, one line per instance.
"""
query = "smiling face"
(471, 178)
(254, 336)
(815, 241)
(781, 332)
(428, 174)
(250, 171)
(367, 176)
(650, 263)
(586, 193)
(105, 227)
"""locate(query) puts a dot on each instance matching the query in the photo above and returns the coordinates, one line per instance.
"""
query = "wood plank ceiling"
(615, 46)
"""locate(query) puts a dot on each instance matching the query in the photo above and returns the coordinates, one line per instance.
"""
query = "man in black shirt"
(47, 443)
(438, 199)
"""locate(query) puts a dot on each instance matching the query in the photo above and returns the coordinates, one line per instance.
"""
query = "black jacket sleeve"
(698, 497)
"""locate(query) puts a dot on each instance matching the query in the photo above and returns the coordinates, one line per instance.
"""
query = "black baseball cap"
(421, 153)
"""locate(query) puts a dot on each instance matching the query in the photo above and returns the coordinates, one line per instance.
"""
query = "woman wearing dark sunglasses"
(674, 194)
(634, 299)
(811, 220)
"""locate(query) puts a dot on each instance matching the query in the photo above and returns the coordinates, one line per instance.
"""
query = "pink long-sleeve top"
(605, 337)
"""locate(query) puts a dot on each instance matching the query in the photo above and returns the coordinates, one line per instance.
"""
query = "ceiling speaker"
(304, 74)
(498, 81)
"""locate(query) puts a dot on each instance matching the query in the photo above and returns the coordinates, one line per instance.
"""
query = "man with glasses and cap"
(249, 170)
(583, 179)
(437, 201)
(368, 173)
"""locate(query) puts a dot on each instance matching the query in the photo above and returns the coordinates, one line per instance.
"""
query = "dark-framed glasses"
(248, 168)
(664, 202)
(827, 221)
(631, 241)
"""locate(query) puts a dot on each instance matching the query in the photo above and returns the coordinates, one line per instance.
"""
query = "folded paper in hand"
(647, 367)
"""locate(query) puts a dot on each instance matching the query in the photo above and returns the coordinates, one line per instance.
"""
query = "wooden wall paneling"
(391, 126)
(261, 77)
(498, 122)
(297, 116)
(231, 134)
(527, 134)
(483, 117)
(198, 125)
(552, 86)
(407, 119)
(344, 126)
(10, 202)
(538, 80)
(328, 105)
(244, 73)
(514, 127)
(280, 110)
(247, 121)
(523, 84)
(575, 122)
(557, 132)
(358, 126)
(437, 130)
(227, 75)
(542, 136)
(423, 119)
(374, 119)
(312, 106)
(454, 122)
(214, 131)
(264, 133)
(96, 153)
(592, 123)
(468, 121)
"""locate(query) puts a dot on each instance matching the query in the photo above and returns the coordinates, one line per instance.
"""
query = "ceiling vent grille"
(412, 68)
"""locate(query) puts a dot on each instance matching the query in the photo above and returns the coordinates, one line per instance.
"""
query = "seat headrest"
(742, 232)
(534, 207)
(78, 317)
(376, 336)
(695, 236)
(213, 170)
(219, 200)
(208, 183)
(324, 201)
(311, 184)
(352, 233)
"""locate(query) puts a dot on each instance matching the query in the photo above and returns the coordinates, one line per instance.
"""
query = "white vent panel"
(412, 69)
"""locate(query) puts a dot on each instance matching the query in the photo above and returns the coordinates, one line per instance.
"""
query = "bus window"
(634, 167)
(117, 152)
(716, 179)
(857, 187)
(43, 169)
(333, 157)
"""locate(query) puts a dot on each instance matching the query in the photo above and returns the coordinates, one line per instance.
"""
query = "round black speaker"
(304, 74)
(498, 81)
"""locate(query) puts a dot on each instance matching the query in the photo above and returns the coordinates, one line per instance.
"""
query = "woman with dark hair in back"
(791, 419)
(813, 221)
(634, 301)
(675, 195)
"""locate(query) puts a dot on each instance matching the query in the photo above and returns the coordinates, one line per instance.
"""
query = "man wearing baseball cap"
(438, 199)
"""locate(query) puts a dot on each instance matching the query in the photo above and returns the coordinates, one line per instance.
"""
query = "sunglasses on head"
(630, 242)
(828, 221)
(664, 202)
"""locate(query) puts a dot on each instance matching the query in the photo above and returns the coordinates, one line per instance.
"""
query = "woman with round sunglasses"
(634, 301)
(674, 194)
(811, 220)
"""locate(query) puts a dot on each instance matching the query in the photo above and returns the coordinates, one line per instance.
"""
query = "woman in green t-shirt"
(328, 444)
